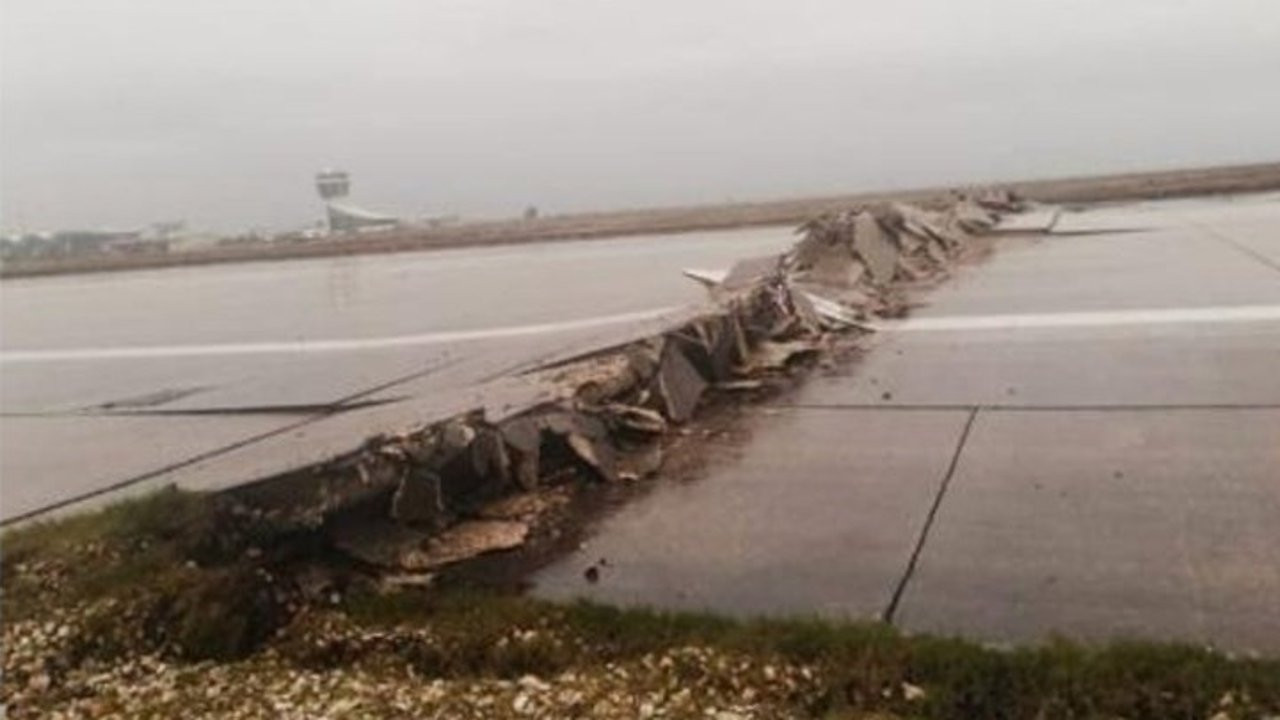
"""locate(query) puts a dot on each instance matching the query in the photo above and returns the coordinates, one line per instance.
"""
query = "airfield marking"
(1106, 318)
(319, 346)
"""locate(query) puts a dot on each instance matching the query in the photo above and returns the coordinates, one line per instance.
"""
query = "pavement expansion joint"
(1238, 246)
(157, 472)
(339, 405)
(901, 587)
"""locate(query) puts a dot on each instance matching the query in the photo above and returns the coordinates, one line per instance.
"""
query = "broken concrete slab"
(875, 248)
(837, 267)
(523, 436)
(419, 500)
(527, 507)
(746, 273)
(587, 437)
(463, 541)
(677, 384)
(635, 419)
(710, 344)
(377, 542)
(973, 217)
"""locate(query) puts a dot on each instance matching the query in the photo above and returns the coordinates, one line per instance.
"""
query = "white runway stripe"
(319, 346)
(1106, 318)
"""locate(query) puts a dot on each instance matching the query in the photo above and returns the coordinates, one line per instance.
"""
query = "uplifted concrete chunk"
(875, 248)
(523, 436)
(419, 500)
(678, 384)
(377, 542)
(1000, 200)
(973, 217)
(463, 541)
(587, 437)
(836, 267)
(636, 419)
(596, 379)
(746, 273)
(710, 344)
(820, 236)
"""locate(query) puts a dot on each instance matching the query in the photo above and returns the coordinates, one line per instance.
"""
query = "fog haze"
(115, 113)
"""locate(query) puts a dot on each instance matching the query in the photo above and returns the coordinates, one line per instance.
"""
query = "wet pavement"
(1079, 436)
(208, 376)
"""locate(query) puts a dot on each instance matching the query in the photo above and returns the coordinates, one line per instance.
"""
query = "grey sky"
(120, 112)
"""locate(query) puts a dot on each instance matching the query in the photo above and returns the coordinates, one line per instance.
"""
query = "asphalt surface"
(211, 376)
(1079, 436)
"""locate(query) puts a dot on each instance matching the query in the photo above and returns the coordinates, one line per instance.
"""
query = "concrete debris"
(636, 419)
(677, 384)
(707, 278)
(443, 493)
(599, 378)
(587, 437)
(746, 273)
(640, 463)
(740, 385)
(999, 200)
(527, 507)
(973, 217)
(712, 345)
(523, 436)
(874, 247)
(419, 500)
(462, 541)
(771, 355)
(839, 312)
(380, 542)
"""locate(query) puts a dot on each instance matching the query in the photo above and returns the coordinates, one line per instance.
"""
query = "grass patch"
(134, 544)
(861, 667)
(163, 516)
(226, 611)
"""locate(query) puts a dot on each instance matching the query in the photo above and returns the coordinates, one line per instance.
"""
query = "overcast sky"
(121, 112)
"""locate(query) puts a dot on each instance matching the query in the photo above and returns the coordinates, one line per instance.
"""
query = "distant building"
(332, 186)
(348, 218)
(70, 243)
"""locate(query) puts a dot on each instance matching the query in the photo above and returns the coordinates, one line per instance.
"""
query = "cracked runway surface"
(1106, 478)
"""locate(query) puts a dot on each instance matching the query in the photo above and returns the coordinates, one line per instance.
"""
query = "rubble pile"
(424, 499)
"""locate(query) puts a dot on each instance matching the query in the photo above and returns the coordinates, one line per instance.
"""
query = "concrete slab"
(368, 296)
(820, 513)
(1167, 269)
(201, 383)
(48, 459)
(1109, 524)
(1193, 364)
(1156, 214)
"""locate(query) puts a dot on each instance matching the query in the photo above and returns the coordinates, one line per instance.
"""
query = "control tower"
(333, 186)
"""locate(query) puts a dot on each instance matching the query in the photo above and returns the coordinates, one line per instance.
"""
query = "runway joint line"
(891, 611)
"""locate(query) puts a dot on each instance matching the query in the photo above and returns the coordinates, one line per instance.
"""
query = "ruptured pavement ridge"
(1080, 436)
